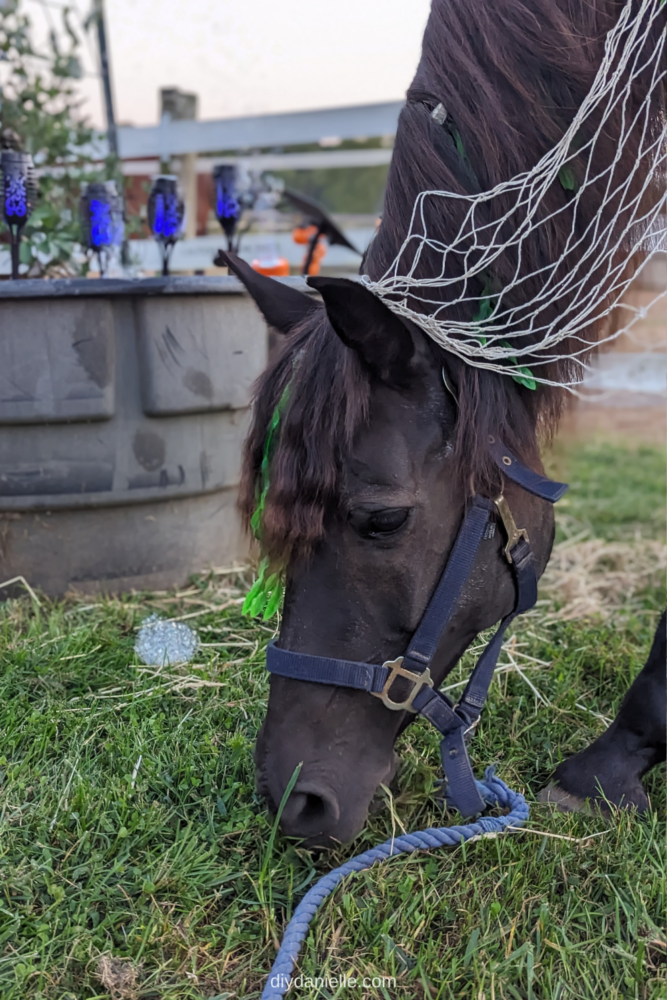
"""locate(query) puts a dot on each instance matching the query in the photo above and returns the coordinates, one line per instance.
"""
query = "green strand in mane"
(266, 594)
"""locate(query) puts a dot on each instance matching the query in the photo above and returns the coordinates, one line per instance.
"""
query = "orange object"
(303, 235)
(316, 261)
(276, 268)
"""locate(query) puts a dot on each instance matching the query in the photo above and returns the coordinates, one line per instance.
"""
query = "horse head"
(368, 489)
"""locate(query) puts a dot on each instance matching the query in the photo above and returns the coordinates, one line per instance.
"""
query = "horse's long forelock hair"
(511, 75)
(329, 399)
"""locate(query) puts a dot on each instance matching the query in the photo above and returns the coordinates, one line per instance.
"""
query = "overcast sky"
(253, 56)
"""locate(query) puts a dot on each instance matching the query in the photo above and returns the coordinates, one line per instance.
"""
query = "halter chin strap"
(413, 668)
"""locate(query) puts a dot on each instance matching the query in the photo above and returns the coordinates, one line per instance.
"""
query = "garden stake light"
(227, 205)
(165, 216)
(101, 212)
(18, 197)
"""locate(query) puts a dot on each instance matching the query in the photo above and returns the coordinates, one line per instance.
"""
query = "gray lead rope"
(494, 791)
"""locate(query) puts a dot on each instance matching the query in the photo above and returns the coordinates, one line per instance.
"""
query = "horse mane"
(511, 75)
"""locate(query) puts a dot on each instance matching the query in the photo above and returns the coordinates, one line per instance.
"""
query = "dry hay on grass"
(119, 976)
(598, 579)
(222, 588)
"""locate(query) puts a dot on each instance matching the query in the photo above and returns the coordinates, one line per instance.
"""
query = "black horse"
(384, 437)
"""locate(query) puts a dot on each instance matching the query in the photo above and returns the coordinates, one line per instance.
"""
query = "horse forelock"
(329, 402)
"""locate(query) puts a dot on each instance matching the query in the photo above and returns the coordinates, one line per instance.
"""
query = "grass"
(137, 861)
(615, 493)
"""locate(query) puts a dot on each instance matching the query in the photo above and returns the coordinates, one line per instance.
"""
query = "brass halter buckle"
(513, 533)
(397, 670)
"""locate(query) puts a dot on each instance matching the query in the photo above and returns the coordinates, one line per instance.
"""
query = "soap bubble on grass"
(163, 643)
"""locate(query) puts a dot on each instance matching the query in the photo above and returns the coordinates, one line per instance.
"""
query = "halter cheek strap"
(452, 721)
(532, 482)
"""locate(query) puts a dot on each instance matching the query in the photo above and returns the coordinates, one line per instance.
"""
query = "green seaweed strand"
(267, 455)
(487, 307)
(265, 596)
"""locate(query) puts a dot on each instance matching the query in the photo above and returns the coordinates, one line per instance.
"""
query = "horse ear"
(364, 323)
(281, 306)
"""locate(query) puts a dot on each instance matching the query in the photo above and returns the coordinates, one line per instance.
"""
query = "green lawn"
(134, 851)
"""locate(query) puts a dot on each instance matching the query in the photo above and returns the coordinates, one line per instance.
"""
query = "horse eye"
(379, 523)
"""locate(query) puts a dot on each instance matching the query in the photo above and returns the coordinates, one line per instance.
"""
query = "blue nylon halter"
(452, 721)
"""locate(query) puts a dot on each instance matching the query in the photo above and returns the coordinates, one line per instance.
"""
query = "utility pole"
(105, 69)
(179, 106)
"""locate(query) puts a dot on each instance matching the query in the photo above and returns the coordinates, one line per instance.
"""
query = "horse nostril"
(309, 812)
(314, 809)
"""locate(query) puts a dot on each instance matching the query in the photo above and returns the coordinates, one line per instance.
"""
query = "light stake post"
(227, 205)
(101, 209)
(18, 197)
(165, 216)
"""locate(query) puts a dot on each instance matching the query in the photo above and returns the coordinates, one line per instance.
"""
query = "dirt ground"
(620, 418)
(631, 418)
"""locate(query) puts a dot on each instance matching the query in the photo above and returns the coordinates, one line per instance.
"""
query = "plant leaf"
(525, 378)
(567, 179)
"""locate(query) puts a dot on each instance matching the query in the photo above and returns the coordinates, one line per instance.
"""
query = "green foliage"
(38, 101)
(616, 493)
(130, 827)
(485, 311)
(52, 233)
(567, 179)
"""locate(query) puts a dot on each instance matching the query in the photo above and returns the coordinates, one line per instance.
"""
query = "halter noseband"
(452, 721)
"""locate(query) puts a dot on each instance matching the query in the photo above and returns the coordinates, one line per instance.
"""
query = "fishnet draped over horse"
(529, 271)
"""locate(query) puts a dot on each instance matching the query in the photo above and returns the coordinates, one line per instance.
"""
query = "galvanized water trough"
(123, 408)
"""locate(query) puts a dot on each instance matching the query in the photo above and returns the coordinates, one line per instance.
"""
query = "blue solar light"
(16, 198)
(101, 223)
(158, 222)
(227, 204)
(165, 215)
(167, 222)
(17, 194)
(102, 219)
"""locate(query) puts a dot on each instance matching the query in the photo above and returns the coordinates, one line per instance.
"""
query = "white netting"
(589, 277)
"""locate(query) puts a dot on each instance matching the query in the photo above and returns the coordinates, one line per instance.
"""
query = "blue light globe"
(227, 204)
(18, 192)
(102, 219)
(165, 215)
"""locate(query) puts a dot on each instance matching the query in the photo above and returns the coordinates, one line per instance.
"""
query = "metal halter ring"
(396, 669)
